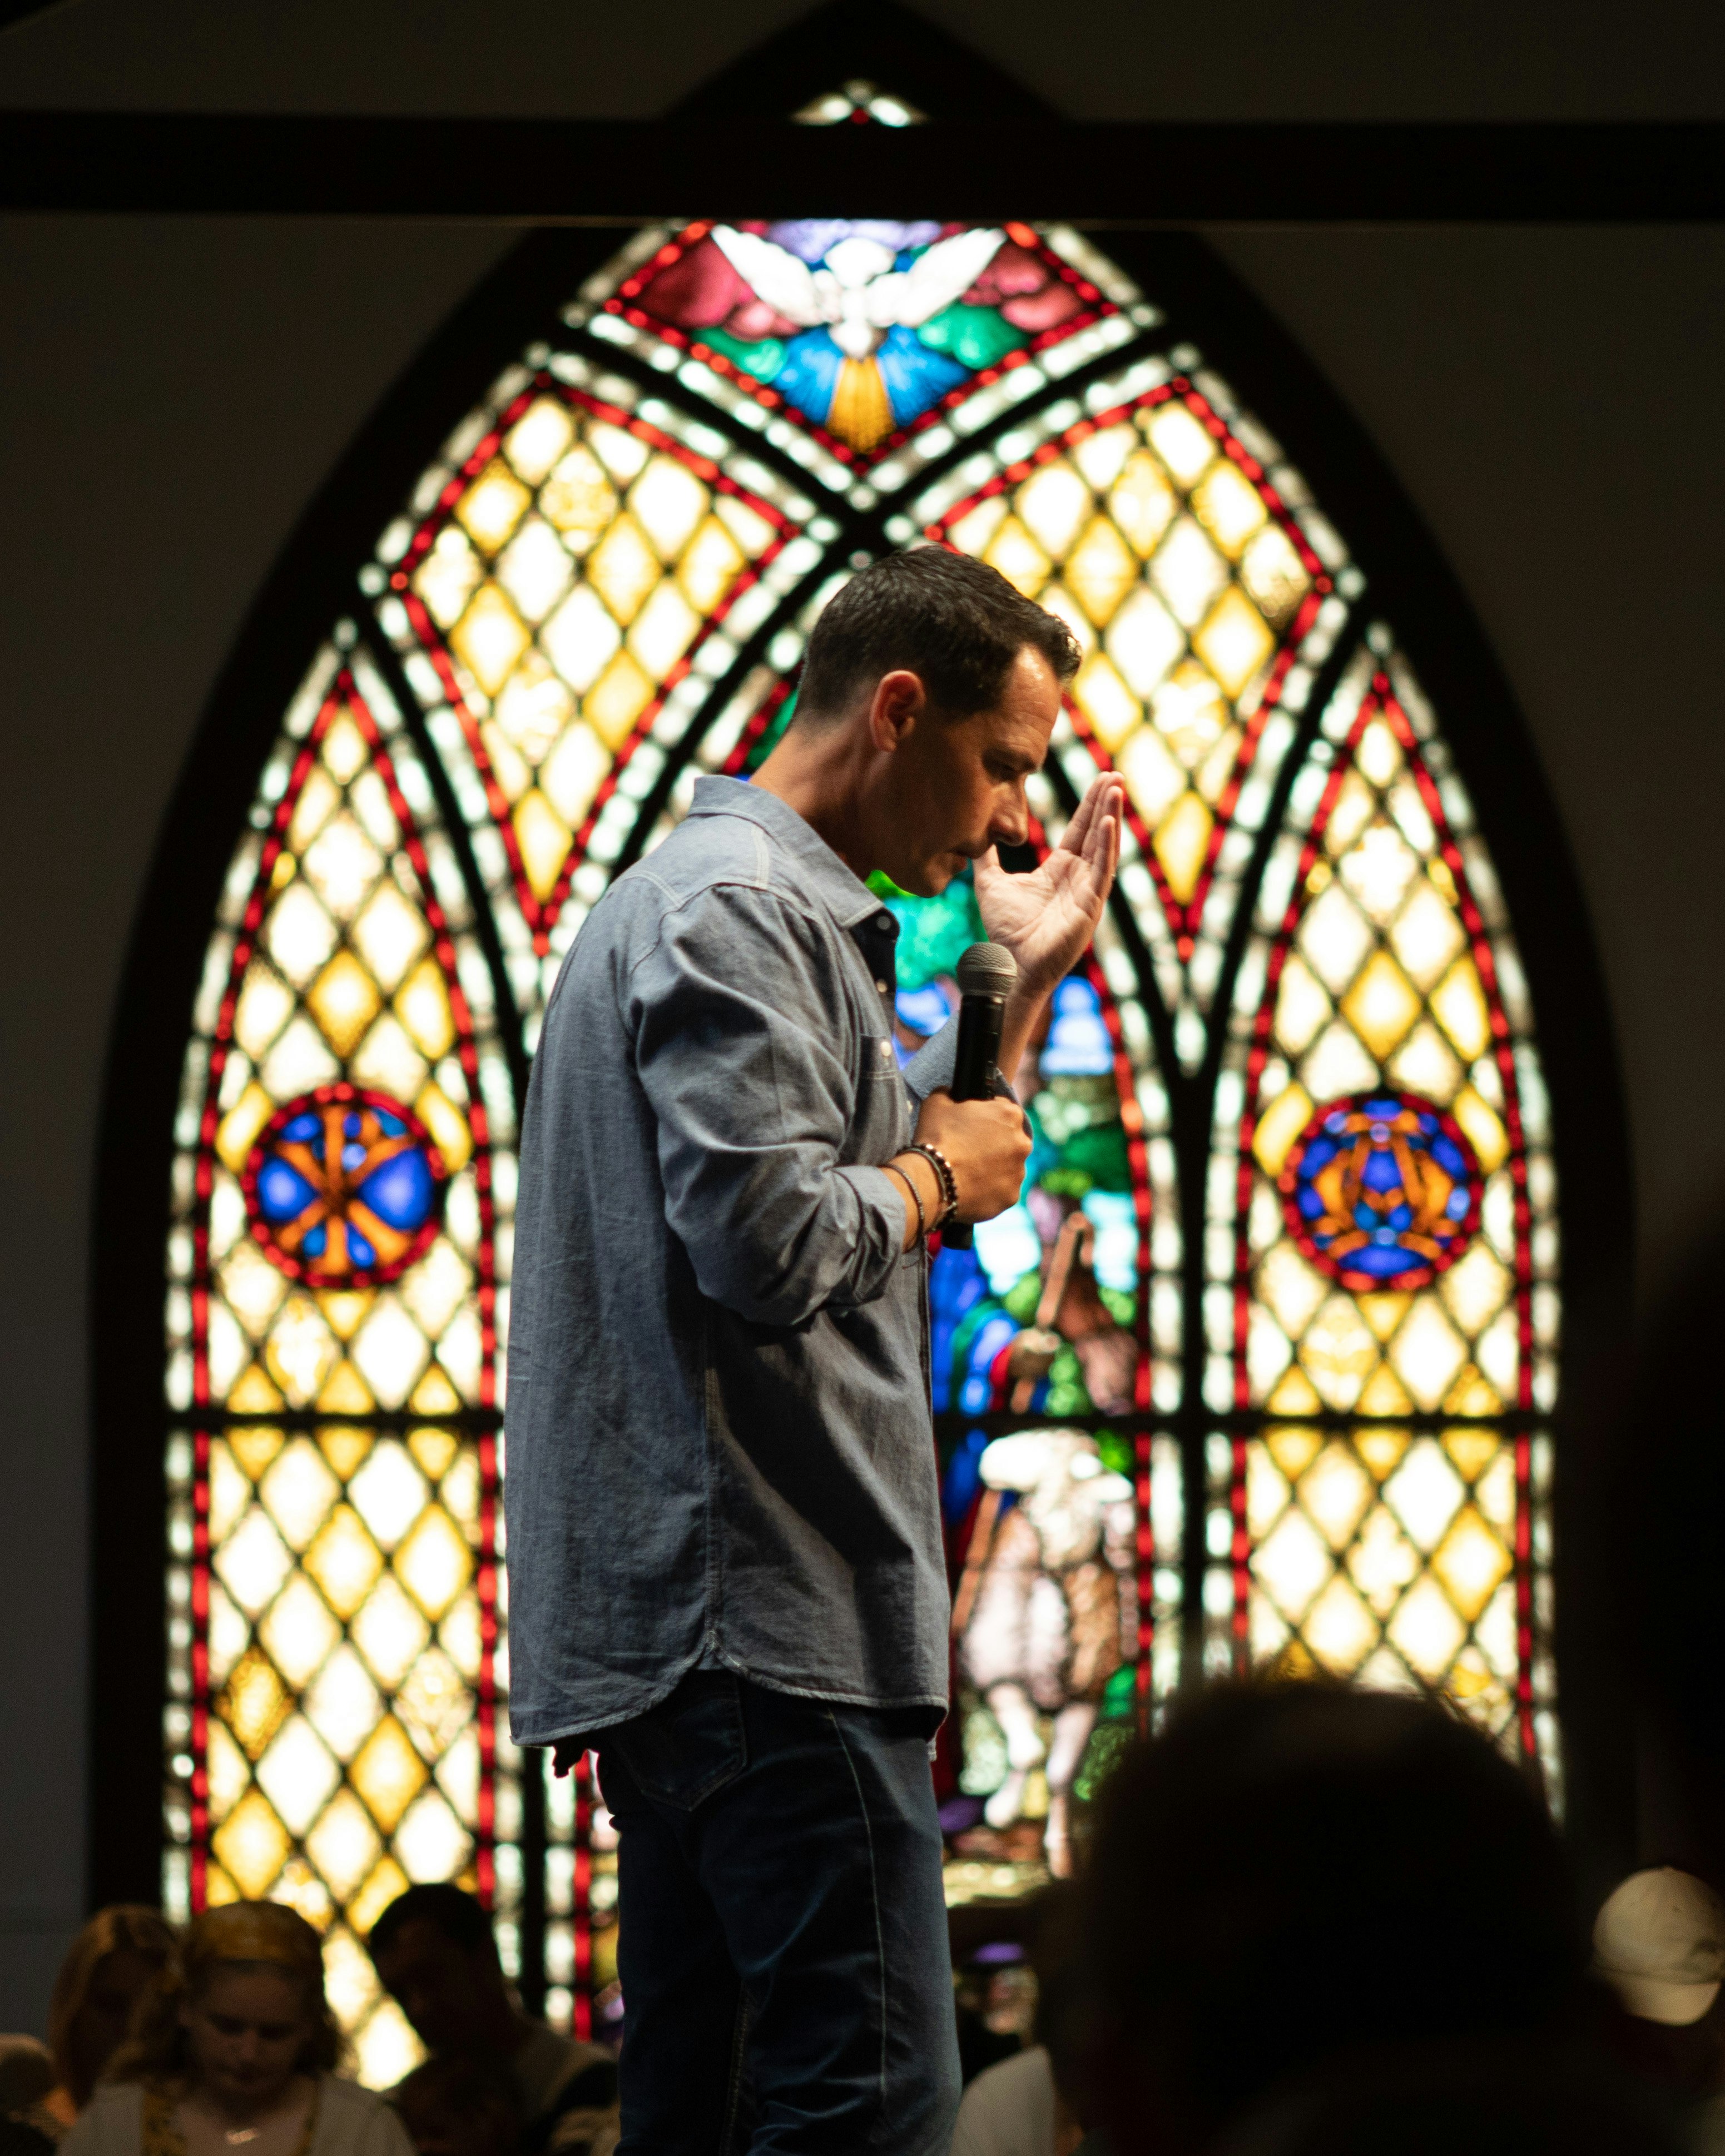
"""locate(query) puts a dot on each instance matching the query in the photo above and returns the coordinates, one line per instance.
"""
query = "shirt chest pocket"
(881, 1122)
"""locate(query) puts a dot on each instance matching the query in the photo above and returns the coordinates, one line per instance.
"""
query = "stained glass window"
(1258, 1371)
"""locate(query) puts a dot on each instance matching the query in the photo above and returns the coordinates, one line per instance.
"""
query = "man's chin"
(929, 879)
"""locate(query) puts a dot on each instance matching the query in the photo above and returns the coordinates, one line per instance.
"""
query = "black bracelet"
(893, 1168)
(943, 1168)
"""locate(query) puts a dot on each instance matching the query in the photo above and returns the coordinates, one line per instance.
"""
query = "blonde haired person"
(233, 2052)
(107, 1969)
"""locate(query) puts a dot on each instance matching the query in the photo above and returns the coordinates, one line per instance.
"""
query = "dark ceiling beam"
(1102, 173)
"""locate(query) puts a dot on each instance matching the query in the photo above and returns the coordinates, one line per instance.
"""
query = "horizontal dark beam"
(545, 171)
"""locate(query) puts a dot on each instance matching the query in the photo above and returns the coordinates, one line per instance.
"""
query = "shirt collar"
(845, 896)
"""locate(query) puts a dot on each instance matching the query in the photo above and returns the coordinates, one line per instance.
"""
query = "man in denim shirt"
(725, 1556)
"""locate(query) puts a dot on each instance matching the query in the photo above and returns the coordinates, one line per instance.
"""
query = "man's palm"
(1047, 918)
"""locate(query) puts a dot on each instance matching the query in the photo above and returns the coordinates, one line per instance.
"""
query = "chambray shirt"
(720, 1449)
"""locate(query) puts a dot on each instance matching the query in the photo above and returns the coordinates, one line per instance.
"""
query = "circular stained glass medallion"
(1382, 1190)
(344, 1188)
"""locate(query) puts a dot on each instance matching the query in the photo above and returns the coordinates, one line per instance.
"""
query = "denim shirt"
(720, 1445)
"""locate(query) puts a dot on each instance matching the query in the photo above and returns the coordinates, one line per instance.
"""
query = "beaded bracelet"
(893, 1168)
(943, 1168)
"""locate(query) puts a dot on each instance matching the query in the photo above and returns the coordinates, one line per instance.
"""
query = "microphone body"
(986, 973)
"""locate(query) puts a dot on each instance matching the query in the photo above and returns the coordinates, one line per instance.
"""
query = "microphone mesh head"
(987, 969)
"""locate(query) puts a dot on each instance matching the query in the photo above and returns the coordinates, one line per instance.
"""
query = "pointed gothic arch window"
(1261, 1369)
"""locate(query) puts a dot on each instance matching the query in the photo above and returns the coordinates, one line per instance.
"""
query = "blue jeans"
(787, 1982)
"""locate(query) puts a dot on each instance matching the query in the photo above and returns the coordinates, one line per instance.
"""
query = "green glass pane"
(975, 336)
(761, 357)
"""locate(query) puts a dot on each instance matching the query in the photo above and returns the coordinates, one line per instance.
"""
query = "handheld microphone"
(985, 975)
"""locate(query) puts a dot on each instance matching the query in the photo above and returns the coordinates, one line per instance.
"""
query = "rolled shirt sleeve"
(754, 1093)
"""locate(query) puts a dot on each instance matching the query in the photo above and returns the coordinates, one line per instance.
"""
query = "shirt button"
(883, 920)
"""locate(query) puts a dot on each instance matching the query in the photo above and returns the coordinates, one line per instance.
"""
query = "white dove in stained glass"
(857, 293)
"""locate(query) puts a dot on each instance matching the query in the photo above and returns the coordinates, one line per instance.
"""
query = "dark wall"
(171, 393)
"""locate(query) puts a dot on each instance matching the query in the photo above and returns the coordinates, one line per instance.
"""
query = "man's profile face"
(956, 785)
(444, 1991)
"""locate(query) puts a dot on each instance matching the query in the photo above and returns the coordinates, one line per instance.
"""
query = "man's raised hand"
(1047, 918)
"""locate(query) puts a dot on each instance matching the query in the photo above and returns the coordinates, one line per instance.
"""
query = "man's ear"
(898, 702)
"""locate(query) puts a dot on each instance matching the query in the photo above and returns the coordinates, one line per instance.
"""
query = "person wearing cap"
(1659, 1943)
(233, 2053)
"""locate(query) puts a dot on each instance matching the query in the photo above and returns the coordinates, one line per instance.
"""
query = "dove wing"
(773, 274)
(937, 278)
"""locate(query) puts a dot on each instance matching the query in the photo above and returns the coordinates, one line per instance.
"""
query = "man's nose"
(1011, 826)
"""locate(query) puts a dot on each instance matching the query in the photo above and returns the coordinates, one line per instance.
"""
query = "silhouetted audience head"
(433, 1950)
(1295, 1873)
(239, 2008)
(1659, 1943)
(107, 1970)
(25, 2073)
(456, 2107)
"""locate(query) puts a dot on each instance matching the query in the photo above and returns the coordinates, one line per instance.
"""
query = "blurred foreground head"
(1292, 1875)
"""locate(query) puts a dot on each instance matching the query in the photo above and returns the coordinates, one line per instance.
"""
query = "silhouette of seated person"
(434, 1954)
(1294, 1884)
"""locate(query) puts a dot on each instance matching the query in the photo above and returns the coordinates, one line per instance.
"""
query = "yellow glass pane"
(1190, 714)
(1141, 502)
(1281, 1123)
(299, 1631)
(1144, 640)
(448, 576)
(1184, 444)
(1288, 1288)
(493, 505)
(1459, 1003)
(1483, 1128)
(623, 568)
(1274, 575)
(539, 438)
(1338, 1353)
(239, 1126)
(343, 1844)
(305, 1893)
(345, 1392)
(544, 839)
(1474, 1289)
(297, 1774)
(448, 1126)
(1424, 1063)
(535, 570)
(664, 630)
(1384, 1394)
(230, 1774)
(344, 1704)
(1378, 869)
(436, 1288)
(435, 1703)
(1301, 1006)
(1234, 642)
(1334, 937)
(1339, 1629)
(344, 1561)
(579, 499)
(298, 934)
(1425, 1493)
(434, 1395)
(1356, 807)
(1379, 754)
(435, 1563)
(1292, 1564)
(252, 1844)
(1154, 780)
(1335, 1490)
(423, 1005)
(254, 1561)
(251, 1285)
(386, 1884)
(299, 1490)
(342, 1446)
(1101, 571)
(668, 502)
(253, 1394)
(434, 1450)
(580, 638)
(341, 865)
(1101, 456)
(1181, 843)
(389, 1492)
(1426, 935)
(255, 1702)
(1471, 1395)
(1427, 1352)
(320, 797)
(344, 1000)
(388, 1773)
(1383, 1562)
(1228, 505)
(1427, 1630)
(572, 773)
(390, 1632)
(1019, 558)
(618, 700)
(533, 709)
(1112, 708)
(1470, 1563)
(710, 567)
(488, 639)
(1054, 502)
(1381, 1005)
(390, 935)
(265, 1005)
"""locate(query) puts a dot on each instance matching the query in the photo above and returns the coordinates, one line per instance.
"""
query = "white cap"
(1659, 1942)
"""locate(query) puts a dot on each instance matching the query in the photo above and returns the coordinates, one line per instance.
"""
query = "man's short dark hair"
(452, 1914)
(949, 618)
